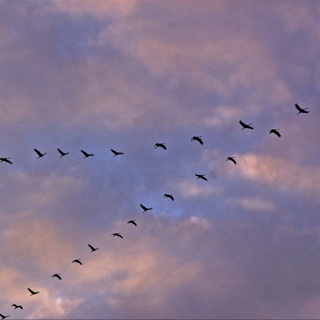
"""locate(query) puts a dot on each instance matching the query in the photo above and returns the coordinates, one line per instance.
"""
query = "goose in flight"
(132, 222)
(231, 159)
(201, 176)
(157, 145)
(144, 208)
(16, 306)
(56, 275)
(33, 292)
(39, 153)
(170, 196)
(116, 153)
(245, 126)
(305, 110)
(77, 261)
(62, 153)
(92, 248)
(5, 160)
(3, 317)
(195, 138)
(117, 234)
(276, 132)
(86, 155)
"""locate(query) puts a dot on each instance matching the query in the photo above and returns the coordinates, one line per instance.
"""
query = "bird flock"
(143, 207)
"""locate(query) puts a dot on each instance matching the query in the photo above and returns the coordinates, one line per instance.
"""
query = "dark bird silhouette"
(77, 261)
(300, 109)
(5, 160)
(3, 317)
(62, 153)
(56, 275)
(231, 159)
(86, 155)
(157, 145)
(201, 176)
(92, 248)
(276, 132)
(117, 234)
(33, 292)
(197, 139)
(144, 208)
(16, 306)
(170, 196)
(132, 222)
(116, 153)
(39, 153)
(245, 126)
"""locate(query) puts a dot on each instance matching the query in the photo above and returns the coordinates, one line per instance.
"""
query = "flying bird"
(245, 126)
(117, 234)
(276, 132)
(197, 139)
(5, 160)
(39, 153)
(144, 208)
(86, 155)
(3, 317)
(77, 261)
(92, 248)
(33, 292)
(305, 110)
(170, 196)
(132, 222)
(157, 145)
(16, 306)
(62, 153)
(56, 275)
(116, 153)
(201, 176)
(231, 159)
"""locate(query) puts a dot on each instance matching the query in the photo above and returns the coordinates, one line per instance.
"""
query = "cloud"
(279, 174)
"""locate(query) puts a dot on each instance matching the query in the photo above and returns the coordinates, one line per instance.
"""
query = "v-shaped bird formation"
(199, 176)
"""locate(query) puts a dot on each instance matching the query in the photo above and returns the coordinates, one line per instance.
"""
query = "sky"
(125, 75)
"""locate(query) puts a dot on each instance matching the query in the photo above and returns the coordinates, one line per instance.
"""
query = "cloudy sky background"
(97, 75)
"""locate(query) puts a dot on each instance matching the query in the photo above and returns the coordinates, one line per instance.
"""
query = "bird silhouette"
(92, 248)
(276, 132)
(56, 275)
(305, 110)
(62, 153)
(16, 306)
(116, 153)
(77, 261)
(157, 145)
(3, 317)
(231, 159)
(39, 153)
(33, 292)
(201, 176)
(86, 155)
(195, 138)
(5, 160)
(117, 234)
(245, 126)
(170, 196)
(132, 222)
(144, 208)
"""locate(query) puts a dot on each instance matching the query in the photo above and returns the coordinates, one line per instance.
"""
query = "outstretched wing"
(37, 152)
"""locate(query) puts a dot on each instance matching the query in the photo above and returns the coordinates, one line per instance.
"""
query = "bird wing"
(37, 152)
(242, 123)
(298, 107)
(143, 207)
(91, 247)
